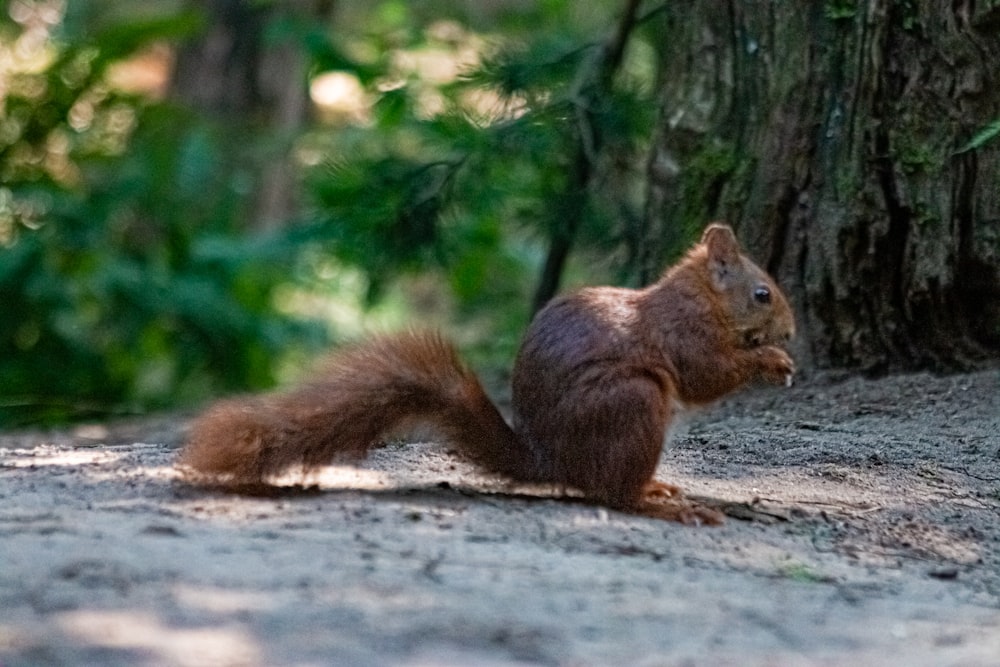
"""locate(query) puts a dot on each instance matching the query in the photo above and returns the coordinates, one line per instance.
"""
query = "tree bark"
(829, 135)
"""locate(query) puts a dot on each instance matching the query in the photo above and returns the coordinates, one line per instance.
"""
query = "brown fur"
(596, 384)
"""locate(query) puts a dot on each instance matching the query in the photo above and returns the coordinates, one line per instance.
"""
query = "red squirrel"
(596, 384)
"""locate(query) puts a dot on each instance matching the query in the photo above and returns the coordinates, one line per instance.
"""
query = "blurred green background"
(198, 197)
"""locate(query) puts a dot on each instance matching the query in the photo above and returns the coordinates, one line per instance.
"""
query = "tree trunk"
(235, 73)
(829, 133)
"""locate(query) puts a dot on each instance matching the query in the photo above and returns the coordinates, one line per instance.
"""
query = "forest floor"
(863, 529)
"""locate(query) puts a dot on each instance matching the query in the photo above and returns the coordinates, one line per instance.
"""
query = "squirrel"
(597, 381)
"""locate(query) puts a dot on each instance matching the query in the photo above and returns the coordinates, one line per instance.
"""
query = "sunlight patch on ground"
(129, 630)
(99, 463)
(339, 477)
(52, 455)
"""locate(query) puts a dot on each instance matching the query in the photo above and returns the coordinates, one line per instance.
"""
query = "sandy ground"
(864, 529)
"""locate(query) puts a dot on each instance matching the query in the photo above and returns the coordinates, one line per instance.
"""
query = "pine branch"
(614, 50)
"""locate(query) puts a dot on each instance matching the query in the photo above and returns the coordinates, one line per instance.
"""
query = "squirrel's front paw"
(776, 366)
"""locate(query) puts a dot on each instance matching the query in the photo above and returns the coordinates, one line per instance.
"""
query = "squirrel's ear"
(723, 253)
(720, 234)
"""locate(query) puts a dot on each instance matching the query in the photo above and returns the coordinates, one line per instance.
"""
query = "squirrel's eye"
(762, 295)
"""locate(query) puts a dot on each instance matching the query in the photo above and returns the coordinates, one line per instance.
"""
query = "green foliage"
(128, 277)
(124, 281)
(470, 177)
(133, 293)
(532, 69)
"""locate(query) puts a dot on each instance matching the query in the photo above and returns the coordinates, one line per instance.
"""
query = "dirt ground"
(864, 529)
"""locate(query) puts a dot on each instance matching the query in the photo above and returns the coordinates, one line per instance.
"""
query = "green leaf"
(985, 135)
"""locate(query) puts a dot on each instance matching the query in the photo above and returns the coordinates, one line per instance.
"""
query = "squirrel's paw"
(776, 366)
(666, 501)
(685, 512)
(657, 491)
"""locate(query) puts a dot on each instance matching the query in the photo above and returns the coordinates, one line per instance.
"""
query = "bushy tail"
(361, 395)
